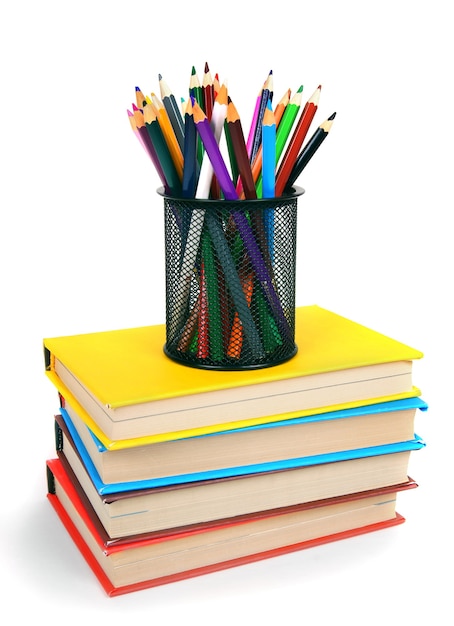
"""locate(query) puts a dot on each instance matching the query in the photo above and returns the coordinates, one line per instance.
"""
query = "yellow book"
(130, 393)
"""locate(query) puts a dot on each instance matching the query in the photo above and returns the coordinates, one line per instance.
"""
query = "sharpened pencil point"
(331, 117)
(159, 77)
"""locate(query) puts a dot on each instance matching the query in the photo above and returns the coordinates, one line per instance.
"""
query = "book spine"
(58, 437)
(50, 480)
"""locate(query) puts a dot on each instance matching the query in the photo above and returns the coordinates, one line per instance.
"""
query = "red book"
(137, 562)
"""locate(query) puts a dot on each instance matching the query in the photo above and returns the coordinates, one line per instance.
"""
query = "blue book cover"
(112, 488)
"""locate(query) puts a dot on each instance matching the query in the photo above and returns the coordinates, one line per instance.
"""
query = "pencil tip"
(137, 88)
(207, 69)
(193, 70)
(159, 77)
(300, 89)
(331, 117)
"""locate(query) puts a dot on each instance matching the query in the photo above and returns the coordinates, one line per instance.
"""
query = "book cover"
(124, 387)
(226, 472)
(358, 427)
(143, 562)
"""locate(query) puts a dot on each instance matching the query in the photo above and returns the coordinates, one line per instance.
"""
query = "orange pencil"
(236, 336)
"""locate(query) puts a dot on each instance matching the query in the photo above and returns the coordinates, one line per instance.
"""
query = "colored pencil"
(296, 141)
(140, 98)
(231, 152)
(190, 163)
(268, 175)
(216, 85)
(284, 129)
(162, 151)
(195, 88)
(220, 102)
(217, 124)
(190, 328)
(269, 152)
(255, 114)
(145, 140)
(173, 110)
(213, 162)
(208, 92)
(195, 91)
(169, 134)
(264, 97)
(212, 324)
(310, 149)
(236, 336)
(203, 319)
(278, 113)
(240, 151)
(133, 124)
(255, 117)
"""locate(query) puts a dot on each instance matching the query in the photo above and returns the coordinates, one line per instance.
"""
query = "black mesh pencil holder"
(230, 281)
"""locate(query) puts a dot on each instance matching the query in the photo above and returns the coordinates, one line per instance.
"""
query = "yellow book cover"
(125, 387)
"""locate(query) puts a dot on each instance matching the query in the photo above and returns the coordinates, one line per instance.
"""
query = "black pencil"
(310, 149)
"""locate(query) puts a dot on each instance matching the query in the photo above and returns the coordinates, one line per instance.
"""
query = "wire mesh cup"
(230, 281)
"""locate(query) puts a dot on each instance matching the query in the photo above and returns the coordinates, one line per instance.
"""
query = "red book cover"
(56, 471)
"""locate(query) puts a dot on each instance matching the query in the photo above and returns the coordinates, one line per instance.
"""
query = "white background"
(82, 250)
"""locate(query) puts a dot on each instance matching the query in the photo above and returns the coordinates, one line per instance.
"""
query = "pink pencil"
(250, 138)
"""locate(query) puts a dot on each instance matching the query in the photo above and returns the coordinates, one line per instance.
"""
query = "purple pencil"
(142, 134)
(211, 146)
(244, 228)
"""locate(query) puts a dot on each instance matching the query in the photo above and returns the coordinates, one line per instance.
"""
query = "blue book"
(391, 410)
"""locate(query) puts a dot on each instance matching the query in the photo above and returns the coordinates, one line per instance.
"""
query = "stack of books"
(164, 471)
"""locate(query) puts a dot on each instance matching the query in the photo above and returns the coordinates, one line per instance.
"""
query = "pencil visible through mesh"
(230, 282)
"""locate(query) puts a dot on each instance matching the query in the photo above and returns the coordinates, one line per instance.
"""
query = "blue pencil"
(269, 173)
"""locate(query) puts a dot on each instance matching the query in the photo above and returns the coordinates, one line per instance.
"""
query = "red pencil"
(240, 151)
(295, 143)
(208, 91)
